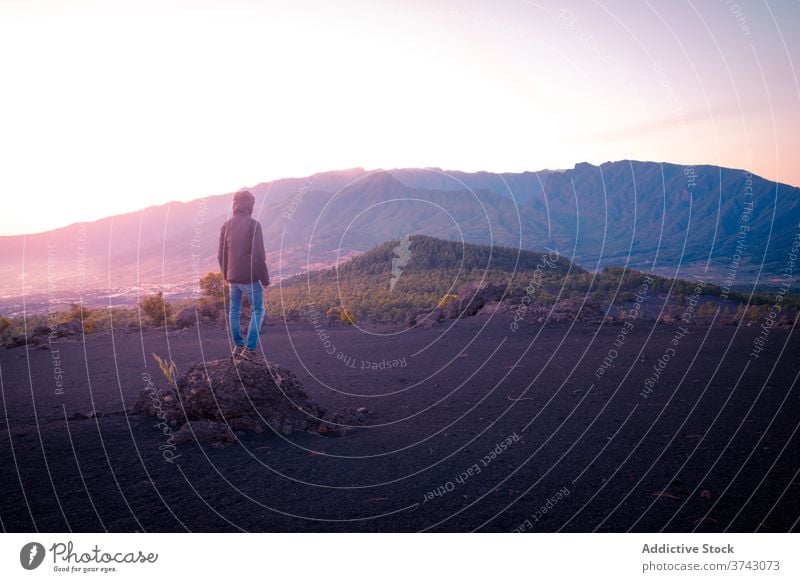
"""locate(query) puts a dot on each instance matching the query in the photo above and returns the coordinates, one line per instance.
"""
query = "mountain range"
(675, 220)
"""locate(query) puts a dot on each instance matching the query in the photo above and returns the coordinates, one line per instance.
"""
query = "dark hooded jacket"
(241, 254)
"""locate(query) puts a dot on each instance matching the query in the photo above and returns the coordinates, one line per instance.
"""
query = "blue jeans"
(255, 295)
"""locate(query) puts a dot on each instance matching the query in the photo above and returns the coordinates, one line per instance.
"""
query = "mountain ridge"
(670, 218)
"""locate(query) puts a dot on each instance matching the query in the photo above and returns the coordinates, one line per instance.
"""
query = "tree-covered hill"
(415, 272)
(385, 283)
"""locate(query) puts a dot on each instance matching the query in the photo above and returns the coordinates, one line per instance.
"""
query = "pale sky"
(109, 106)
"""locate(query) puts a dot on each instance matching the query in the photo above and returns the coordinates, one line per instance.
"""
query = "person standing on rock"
(243, 263)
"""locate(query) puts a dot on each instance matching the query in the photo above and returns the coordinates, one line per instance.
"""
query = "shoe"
(252, 355)
(237, 351)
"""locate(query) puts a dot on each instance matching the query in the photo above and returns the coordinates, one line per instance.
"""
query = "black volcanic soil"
(712, 448)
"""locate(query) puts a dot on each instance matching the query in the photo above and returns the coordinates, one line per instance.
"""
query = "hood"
(243, 202)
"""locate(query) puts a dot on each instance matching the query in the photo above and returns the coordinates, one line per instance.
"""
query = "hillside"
(380, 284)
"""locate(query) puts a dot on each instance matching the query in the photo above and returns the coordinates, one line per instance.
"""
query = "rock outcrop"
(472, 297)
(215, 399)
(187, 317)
(204, 311)
(482, 298)
(45, 334)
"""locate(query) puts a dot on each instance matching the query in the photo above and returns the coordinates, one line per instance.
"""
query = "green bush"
(212, 285)
(345, 316)
(157, 309)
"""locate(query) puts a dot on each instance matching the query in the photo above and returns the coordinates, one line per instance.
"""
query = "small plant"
(342, 315)
(346, 316)
(78, 312)
(157, 308)
(706, 311)
(5, 323)
(82, 314)
(170, 370)
(757, 312)
(212, 285)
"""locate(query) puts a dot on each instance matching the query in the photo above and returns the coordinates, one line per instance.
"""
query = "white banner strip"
(401, 557)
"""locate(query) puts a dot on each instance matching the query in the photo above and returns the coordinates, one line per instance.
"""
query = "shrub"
(157, 308)
(342, 315)
(707, 310)
(82, 314)
(346, 316)
(444, 301)
(214, 290)
(625, 297)
(757, 312)
(334, 314)
(78, 312)
(212, 285)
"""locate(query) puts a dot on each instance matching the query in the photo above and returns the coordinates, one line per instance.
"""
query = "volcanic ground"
(471, 425)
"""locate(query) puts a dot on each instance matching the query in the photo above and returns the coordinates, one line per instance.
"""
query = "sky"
(109, 106)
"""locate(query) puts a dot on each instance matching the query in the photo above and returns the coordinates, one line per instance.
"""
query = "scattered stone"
(345, 418)
(351, 416)
(159, 402)
(570, 309)
(415, 316)
(186, 318)
(16, 341)
(210, 310)
(495, 307)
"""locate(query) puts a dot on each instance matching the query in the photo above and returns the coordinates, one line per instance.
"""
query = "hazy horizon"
(190, 198)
